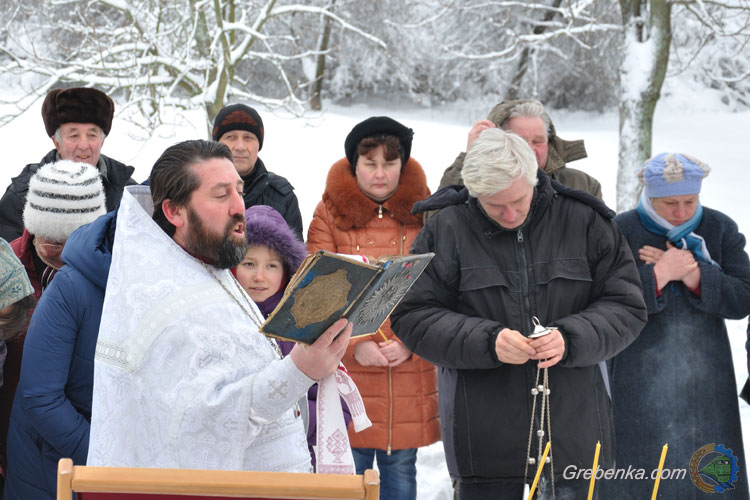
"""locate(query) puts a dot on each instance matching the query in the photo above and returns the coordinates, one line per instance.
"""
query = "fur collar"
(351, 208)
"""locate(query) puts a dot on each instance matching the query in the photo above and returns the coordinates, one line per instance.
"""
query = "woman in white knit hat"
(62, 197)
(675, 384)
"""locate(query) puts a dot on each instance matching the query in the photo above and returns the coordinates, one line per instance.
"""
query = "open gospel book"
(330, 286)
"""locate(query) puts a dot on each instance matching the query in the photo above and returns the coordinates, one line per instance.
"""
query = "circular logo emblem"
(713, 468)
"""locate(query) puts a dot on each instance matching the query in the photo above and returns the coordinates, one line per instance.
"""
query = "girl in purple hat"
(273, 255)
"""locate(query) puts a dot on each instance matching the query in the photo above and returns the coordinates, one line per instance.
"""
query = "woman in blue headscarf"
(675, 384)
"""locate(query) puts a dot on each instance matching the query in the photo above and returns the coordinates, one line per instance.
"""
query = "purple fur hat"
(265, 226)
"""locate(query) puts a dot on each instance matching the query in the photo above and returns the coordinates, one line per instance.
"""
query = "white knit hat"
(62, 197)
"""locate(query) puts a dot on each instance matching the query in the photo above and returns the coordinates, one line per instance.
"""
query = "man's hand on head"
(476, 130)
(322, 357)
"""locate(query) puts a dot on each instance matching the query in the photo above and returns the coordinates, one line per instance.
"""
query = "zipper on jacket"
(390, 373)
(380, 211)
(525, 290)
(526, 314)
(390, 411)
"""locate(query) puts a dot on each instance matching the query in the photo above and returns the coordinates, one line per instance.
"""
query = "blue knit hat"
(14, 283)
(264, 226)
(672, 174)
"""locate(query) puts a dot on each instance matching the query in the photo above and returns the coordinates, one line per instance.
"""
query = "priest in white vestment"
(183, 378)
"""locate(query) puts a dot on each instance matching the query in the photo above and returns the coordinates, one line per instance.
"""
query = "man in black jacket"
(240, 128)
(511, 246)
(77, 120)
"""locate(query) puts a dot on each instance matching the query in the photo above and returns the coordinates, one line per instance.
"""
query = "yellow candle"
(383, 335)
(593, 470)
(658, 476)
(539, 471)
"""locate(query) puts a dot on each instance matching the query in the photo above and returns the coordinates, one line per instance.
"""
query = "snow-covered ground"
(303, 150)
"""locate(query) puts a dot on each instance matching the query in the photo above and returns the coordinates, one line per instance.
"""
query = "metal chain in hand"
(544, 412)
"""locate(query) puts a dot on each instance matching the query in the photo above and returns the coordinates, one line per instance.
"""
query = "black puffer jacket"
(266, 188)
(11, 205)
(570, 266)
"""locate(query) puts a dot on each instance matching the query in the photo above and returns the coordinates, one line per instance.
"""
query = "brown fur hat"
(79, 105)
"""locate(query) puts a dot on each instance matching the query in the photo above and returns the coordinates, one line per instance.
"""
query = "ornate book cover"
(329, 286)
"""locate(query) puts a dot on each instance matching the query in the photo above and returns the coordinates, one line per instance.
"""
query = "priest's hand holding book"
(322, 357)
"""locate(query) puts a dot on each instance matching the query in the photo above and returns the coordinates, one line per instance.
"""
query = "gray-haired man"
(511, 246)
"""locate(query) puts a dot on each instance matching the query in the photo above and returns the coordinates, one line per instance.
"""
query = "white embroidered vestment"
(182, 377)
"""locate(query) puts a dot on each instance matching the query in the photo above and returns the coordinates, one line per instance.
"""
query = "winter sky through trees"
(157, 56)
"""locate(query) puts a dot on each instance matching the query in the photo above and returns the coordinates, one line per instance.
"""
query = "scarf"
(681, 236)
(267, 306)
(333, 451)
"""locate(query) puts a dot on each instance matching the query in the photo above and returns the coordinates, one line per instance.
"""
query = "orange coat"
(401, 402)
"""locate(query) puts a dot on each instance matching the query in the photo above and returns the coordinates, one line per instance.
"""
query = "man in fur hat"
(240, 128)
(528, 119)
(77, 120)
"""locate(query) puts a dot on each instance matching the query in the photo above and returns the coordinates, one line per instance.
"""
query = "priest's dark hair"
(172, 178)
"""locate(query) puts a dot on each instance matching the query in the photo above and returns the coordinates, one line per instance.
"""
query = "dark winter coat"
(52, 407)
(745, 393)
(570, 266)
(266, 188)
(23, 247)
(11, 205)
(675, 384)
(559, 153)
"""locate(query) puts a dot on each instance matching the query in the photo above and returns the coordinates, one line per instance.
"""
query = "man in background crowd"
(528, 119)
(77, 120)
(240, 128)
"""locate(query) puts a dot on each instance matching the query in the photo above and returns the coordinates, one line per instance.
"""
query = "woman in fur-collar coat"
(366, 209)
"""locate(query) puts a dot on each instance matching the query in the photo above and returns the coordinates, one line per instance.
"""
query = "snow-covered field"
(303, 149)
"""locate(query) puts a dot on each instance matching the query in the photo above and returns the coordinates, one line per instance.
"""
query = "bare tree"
(165, 53)
(514, 90)
(512, 42)
(646, 55)
(316, 86)
(523, 48)
(644, 65)
(187, 54)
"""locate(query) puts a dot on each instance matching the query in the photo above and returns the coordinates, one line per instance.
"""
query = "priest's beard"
(223, 250)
